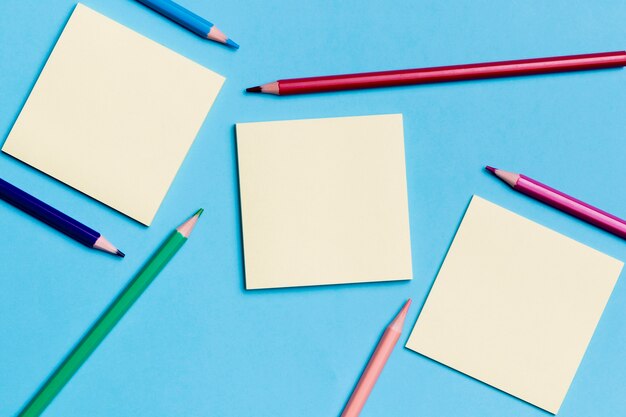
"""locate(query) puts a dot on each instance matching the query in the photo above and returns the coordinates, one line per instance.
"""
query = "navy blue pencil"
(189, 20)
(53, 217)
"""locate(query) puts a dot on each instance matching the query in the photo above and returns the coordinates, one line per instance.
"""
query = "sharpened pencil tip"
(186, 228)
(398, 321)
(256, 89)
(490, 169)
(232, 43)
(120, 253)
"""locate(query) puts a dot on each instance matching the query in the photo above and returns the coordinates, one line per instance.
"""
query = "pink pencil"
(562, 201)
(376, 364)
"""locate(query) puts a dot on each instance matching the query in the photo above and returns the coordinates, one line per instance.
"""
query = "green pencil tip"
(199, 212)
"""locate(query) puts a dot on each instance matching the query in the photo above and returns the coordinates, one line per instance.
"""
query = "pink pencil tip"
(405, 308)
(490, 169)
(398, 322)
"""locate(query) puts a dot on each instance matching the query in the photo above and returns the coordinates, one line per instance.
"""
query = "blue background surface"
(197, 343)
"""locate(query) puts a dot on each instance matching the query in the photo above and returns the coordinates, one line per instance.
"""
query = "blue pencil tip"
(232, 43)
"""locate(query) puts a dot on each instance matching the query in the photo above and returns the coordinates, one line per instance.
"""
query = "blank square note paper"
(324, 201)
(515, 305)
(113, 114)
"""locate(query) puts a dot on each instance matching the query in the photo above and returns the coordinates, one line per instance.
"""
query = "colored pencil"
(189, 20)
(107, 321)
(53, 217)
(562, 201)
(376, 364)
(442, 74)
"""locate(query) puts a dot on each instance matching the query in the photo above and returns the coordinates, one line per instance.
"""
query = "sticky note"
(113, 114)
(324, 201)
(515, 305)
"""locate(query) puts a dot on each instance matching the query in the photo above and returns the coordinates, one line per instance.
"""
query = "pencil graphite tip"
(490, 169)
(120, 253)
(199, 212)
(256, 89)
(232, 43)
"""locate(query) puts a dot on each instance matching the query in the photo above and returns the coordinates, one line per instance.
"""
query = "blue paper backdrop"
(197, 343)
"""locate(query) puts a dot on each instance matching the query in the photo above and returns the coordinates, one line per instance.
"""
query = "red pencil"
(443, 74)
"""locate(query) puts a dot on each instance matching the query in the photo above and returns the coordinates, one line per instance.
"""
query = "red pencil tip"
(490, 169)
(256, 89)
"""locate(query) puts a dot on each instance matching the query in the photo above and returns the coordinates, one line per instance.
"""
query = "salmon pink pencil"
(562, 201)
(443, 74)
(376, 364)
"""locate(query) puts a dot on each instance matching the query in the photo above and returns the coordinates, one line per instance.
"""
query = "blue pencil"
(189, 20)
(53, 217)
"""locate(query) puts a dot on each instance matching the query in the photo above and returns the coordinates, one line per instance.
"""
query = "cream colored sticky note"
(113, 114)
(324, 201)
(515, 305)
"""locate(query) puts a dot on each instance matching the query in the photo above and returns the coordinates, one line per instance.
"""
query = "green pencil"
(107, 321)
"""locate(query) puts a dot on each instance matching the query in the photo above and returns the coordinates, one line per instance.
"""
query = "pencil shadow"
(13, 119)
